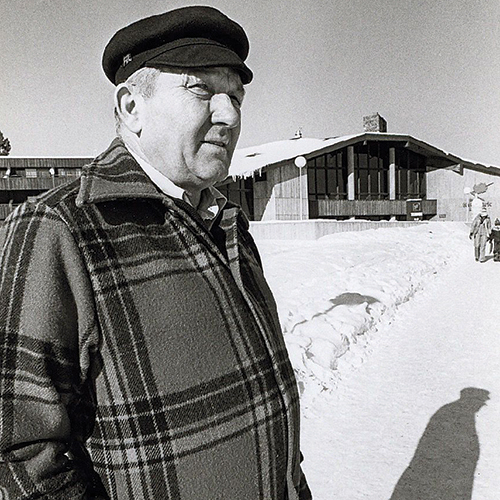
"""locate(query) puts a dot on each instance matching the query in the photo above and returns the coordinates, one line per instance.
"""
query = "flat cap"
(189, 37)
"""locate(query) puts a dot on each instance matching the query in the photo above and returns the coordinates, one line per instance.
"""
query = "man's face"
(190, 126)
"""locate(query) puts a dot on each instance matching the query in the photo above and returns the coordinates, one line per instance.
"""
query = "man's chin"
(213, 172)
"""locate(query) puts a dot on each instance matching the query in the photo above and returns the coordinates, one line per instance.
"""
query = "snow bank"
(334, 293)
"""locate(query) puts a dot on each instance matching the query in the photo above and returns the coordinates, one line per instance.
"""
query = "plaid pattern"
(141, 354)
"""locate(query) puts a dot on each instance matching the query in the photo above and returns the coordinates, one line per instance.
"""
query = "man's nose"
(224, 111)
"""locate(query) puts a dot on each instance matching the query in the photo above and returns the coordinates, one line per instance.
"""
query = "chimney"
(374, 123)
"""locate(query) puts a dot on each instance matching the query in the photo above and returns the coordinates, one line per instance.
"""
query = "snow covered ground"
(384, 327)
(334, 293)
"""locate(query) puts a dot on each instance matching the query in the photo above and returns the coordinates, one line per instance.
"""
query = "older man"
(141, 354)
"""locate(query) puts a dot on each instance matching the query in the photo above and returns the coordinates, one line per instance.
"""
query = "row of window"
(327, 174)
(32, 173)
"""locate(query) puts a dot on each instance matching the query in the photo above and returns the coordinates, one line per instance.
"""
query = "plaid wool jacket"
(141, 355)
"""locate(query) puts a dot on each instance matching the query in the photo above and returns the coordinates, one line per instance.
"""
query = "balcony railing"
(366, 208)
(5, 209)
(32, 183)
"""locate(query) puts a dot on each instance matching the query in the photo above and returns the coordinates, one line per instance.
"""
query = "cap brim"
(187, 53)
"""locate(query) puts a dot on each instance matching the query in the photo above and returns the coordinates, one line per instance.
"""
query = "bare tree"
(4, 145)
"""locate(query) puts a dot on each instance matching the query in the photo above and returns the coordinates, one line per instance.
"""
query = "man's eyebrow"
(190, 78)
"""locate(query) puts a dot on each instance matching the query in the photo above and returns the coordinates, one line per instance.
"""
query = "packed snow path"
(360, 440)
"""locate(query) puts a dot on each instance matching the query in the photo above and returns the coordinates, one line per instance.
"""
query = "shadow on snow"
(446, 457)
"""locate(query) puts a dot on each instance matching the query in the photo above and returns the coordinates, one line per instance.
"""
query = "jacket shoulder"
(51, 207)
(59, 194)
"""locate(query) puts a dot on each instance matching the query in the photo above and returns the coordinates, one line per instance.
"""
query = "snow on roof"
(246, 161)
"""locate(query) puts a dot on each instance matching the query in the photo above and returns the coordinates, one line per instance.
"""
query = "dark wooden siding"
(365, 208)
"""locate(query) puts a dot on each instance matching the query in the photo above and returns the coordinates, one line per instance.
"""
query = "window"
(262, 177)
(410, 174)
(321, 181)
(240, 191)
(327, 176)
(371, 170)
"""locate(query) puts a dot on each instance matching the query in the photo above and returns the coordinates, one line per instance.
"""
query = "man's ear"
(126, 105)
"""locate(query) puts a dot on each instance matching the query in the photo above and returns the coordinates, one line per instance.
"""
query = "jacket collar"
(115, 175)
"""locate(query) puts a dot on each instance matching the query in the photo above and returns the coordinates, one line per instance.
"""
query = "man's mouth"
(221, 144)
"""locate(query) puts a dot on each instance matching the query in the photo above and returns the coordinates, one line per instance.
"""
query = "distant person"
(495, 240)
(480, 232)
(141, 355)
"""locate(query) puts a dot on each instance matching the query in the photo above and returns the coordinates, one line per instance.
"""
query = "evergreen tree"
(4, 145)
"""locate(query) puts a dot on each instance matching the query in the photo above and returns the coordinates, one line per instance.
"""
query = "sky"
(430, 68)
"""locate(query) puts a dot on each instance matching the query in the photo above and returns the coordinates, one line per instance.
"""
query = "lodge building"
(374, 175)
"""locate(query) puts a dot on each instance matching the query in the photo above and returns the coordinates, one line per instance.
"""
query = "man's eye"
(200, 89)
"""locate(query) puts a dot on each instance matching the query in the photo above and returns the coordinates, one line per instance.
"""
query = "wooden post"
(392, 173)
(351, 192)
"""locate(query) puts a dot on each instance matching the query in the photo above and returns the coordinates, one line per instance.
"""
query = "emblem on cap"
(127, 58)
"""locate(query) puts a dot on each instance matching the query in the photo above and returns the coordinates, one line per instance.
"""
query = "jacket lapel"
(115, 175)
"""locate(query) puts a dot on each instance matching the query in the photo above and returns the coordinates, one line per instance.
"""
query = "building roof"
(31, 157)
(43, 162)
(247, 161)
